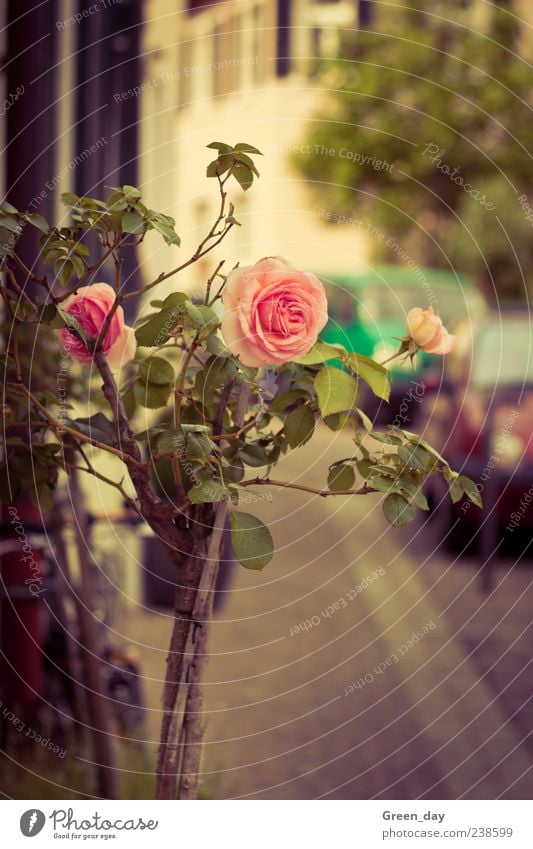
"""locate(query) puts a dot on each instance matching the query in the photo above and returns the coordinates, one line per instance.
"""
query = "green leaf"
(133, 222)
(216, 346)
(10, 224)
(158, 329)
(207, 491)
(364, 467)
(299, 426)
(415, 456)
(222, 147)
(372, 373)
(42, 496)
(251, 540)
(97, 427)
(336, 390)
(254, 455)
(232, 470)
(165, 227)
(131, 193)
(456, 490)
(63, 270)
(367, 424)
(382, 482)
(171, 442)
(9, 208)
(156, 370)
(175, 299)
(387, 438)
(411, 484)
(244, 159)
(150, 395)
(285, 399)
(398, 511)
(128, 399)
(199, 445)
(78, 266)
(341, 477)
(320, 353)
(243, 175)
(69, 199)
(470, 490)
(219, 371)
(70, 322)
(38, 221)
(48, 314)
(417, 440)
(245, 148)
(203, 317)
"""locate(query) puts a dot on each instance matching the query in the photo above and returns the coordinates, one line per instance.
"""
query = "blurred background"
(396, 140)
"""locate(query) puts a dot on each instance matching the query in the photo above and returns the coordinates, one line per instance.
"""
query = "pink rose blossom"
(427, 331)
(273, 313)
(90, 307)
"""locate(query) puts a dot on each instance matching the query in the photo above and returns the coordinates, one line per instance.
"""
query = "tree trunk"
(97, 704)
(182, 725)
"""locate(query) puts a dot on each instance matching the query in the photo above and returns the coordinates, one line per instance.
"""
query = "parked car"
(367, 314)
(481, 420)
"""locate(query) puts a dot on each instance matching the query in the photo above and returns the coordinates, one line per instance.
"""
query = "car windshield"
(392, 304)
(503, 354)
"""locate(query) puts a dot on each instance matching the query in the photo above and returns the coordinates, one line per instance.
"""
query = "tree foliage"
(425, 122)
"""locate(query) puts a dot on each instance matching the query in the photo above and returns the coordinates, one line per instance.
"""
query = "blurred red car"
(480, 418)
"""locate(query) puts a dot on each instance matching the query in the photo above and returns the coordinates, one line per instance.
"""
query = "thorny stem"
(90, 270)
(31, 276)
(76, 434)
(92, 471)
(178, 398)
(210, 281)
(324, 493)
(202, 250)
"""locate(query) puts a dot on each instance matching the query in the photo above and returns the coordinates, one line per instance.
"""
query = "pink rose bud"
(273, 313)
(90, 307)
(427, 331)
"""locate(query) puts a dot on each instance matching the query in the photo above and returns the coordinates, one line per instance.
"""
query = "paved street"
(359, 664)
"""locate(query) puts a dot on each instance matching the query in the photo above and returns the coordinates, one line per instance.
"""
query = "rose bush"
(90, 307)
(273, 312)
(215, 434)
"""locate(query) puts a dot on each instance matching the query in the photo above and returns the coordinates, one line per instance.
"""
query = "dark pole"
(29, 160)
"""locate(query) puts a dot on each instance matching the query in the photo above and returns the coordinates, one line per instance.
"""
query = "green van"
(367, 310)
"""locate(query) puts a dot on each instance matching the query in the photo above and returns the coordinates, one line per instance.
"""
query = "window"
(283, 47)
(366, 13)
